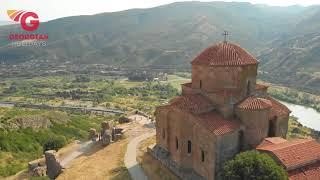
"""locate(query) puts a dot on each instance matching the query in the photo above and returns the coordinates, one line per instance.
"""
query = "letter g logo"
(34, 23)
(29, 20)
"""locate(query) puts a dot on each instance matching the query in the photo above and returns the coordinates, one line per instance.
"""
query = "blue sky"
(52, 9)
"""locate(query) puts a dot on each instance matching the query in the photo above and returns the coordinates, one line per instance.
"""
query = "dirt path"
(130, 159)
(82, 148)
(98, 162)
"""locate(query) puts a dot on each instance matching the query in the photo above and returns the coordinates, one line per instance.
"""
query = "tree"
(253, 165)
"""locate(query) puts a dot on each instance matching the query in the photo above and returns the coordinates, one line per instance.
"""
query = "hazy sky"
(52, 9)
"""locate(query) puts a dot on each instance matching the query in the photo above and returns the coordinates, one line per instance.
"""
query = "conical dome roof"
(254, 103)
(224, 54)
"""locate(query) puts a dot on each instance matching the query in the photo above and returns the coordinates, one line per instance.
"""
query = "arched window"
(163, 133)
(248, 88)
(189, 147)
(177, 143)
(202, 156)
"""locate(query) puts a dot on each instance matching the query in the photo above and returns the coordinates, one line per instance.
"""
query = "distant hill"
(172, 35)
(2, 23)
(293, 58)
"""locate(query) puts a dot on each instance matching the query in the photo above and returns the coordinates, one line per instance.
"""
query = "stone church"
(220, 113)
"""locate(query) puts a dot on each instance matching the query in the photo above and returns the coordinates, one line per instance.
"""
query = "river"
(308, 117)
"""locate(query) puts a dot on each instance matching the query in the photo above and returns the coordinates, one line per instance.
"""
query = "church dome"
(224, 54)
(255, 103)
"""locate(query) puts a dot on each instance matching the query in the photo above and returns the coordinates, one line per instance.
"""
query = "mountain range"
(284, 39)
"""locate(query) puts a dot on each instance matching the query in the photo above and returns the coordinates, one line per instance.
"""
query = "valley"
(118, 67)
(33, 128)
(25, 131)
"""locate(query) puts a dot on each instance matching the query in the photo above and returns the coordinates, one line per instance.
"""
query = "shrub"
(55, 143)
(253, 165)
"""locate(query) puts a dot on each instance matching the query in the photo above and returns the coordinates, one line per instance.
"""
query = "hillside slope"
(285, 39)
(162, 36)
(293, 59)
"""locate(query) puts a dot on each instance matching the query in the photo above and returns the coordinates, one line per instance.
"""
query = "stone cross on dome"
(225, 34)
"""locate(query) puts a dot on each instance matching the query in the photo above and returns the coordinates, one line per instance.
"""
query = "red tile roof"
(253, 103)
(261, 86)
(191, 102)
(310, 172)
(216, 123)
(224, 54)
(277, 109)
(295, 153)
(270, 141)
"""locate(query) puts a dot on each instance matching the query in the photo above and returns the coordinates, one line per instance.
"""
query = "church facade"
(220, 113)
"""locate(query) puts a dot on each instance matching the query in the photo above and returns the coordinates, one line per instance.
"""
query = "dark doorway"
(200, 85)
(272, 128)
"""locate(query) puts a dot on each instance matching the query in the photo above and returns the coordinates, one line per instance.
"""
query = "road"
(62, 108)
(130, 159)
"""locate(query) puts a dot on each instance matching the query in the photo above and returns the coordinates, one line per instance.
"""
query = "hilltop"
(285, 39)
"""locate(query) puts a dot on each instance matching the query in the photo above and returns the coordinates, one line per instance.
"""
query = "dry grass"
(104, 162)
(152, 167)
(99, 163)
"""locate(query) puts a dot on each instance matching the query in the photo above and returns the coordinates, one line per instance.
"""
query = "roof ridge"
(289, 144)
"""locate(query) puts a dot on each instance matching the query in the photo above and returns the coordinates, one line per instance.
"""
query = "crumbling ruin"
(53, 166)
(93, 135)
(37, 167)
(108, 133)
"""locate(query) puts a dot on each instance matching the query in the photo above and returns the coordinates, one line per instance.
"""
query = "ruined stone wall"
(256, 124)
(54, 169)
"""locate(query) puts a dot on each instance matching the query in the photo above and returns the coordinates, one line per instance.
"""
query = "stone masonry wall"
(227, 146)
(256, 124)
